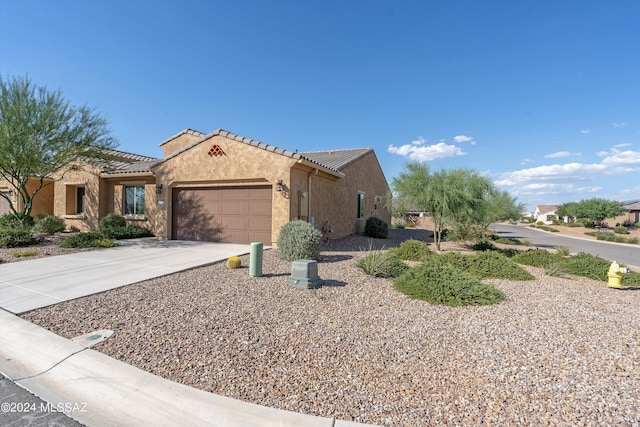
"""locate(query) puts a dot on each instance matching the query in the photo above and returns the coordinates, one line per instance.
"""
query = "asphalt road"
(21, 408)
(623, 253)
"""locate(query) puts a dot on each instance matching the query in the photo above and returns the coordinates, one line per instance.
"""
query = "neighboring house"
(544, 213)
(224, 187)
(633, 209)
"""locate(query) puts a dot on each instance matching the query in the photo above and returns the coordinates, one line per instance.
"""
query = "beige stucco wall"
(42, 202)
(334, 202)
(182, 140)
(241, 164)
(65, 198)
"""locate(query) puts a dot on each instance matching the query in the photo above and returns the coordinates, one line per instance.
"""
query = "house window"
(80, 200)
(360, 205)
(134, 200)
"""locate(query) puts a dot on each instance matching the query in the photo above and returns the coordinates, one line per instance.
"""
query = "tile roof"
(547, 208)
(333, 160)
(336, 159)
(123, 162)
(631, 205)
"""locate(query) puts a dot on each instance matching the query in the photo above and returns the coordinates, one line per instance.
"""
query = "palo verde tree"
(451, 197)
(42, 137)
(595, 209)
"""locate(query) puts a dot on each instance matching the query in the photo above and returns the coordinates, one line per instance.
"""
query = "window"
(80, 200)
(134, 200)
(360, 205)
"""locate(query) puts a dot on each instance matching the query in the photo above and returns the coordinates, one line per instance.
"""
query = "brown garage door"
(230, 214)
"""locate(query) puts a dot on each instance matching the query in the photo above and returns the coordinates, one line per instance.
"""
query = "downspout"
(309, 190)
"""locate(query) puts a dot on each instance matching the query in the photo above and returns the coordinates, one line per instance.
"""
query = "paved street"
(21, 408)
(627, 254)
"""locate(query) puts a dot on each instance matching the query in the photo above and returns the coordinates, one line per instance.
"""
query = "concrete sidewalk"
(28, 285)
(97, 390)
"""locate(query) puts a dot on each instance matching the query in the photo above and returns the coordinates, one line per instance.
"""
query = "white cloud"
(561, 154)
(584, 131)
(569, 172)
(622, 145)
(525, 161)
(617, 124)
(617, 157)
(463, 138)
(418, 151)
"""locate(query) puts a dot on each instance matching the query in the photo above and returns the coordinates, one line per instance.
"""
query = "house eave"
(145, 174)
(319, 167)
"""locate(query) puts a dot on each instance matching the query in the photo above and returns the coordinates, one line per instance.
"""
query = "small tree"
(595, 209)
(42, 137)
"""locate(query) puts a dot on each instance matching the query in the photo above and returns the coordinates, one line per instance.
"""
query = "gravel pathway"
(558, 351)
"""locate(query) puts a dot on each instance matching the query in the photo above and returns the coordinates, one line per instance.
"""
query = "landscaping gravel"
(557, 351)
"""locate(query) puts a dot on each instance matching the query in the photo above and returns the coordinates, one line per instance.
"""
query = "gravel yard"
(558, 351)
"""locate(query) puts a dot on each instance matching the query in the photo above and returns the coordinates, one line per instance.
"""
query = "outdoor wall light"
(158, 188)
(279, 185)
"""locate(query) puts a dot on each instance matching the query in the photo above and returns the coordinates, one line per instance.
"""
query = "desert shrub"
(50, 224)
(628, 223)
(484, 246)
(112, 220)
(92, 239)
(410, 224)
(24, 254)
(484, 265)
(441, 283)
(506, 240)
(299, 240)
(376, 227)
(398, 223)
(621, 230)
(382, 264)
(562, 250)
(16, 237)
(127, 232)
(633, 240)
(554, 269)
(411, 250)
(575, 224)
(587, 265)
(537, 258)
(11, 221)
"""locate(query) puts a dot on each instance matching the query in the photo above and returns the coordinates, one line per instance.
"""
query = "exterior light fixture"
(158, 188)
(279, 186)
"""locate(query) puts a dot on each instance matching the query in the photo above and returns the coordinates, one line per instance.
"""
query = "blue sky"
(541, 96)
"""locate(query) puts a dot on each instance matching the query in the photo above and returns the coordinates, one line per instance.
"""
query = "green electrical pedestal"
(255, 260)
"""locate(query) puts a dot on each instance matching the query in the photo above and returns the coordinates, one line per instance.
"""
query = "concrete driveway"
(28, 285)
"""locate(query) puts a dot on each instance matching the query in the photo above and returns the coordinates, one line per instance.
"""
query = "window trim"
(360, 212)
(134, 214)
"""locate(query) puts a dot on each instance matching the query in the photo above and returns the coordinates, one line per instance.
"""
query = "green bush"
(382, 264)
(399, 223)
(16, 237)
(50, 224)
(563, 250)
(621, 230)
(91, 239)
(485, 265)
(376, 227)
(412, 250)
(128, 232)
(299, 240)
(112, 220)
(537, 258)
(11, 221)
(441, 283)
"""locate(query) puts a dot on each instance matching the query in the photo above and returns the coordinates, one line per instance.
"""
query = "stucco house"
(633, 210)
(544, 213)
(224, 187)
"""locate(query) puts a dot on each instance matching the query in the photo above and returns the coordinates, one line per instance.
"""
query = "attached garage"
(222, 214)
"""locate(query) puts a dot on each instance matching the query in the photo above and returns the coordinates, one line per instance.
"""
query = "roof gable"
(331, 160)
(543, 209)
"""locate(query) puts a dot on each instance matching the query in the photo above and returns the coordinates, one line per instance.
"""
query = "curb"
(101, 391)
